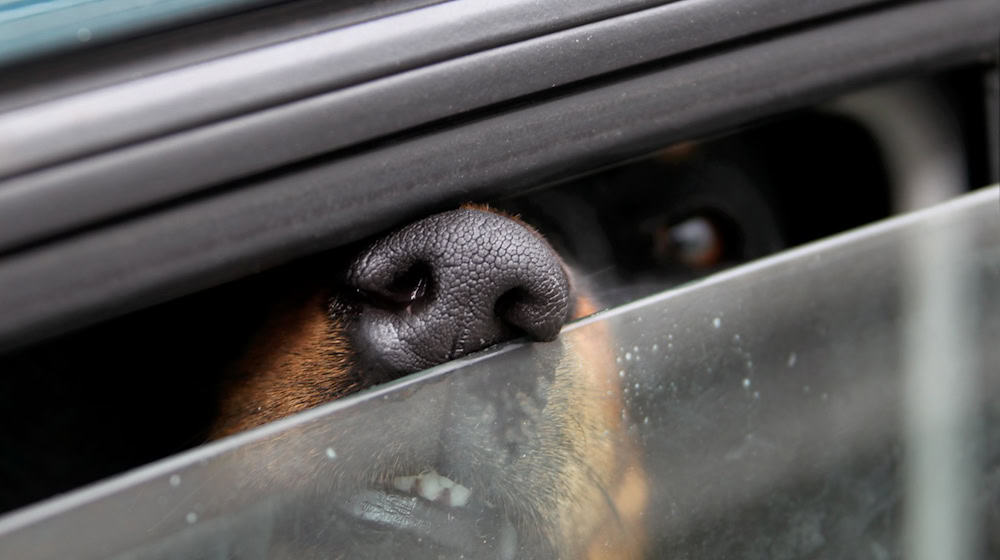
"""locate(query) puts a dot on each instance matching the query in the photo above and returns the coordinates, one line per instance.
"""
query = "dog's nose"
(452, 284)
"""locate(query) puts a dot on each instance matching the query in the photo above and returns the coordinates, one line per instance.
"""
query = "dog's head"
(543, 455)
(544, 452)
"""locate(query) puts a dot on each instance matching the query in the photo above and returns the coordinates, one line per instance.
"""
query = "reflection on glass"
(755, 414)
(30, 28)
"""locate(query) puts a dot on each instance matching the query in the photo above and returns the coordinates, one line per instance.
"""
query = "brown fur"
(298, 360)
(612, 463)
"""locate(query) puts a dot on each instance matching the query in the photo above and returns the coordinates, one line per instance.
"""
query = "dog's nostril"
(507, 303)
(469, 279)
(409, 290)
(507, 306)
(528, 313)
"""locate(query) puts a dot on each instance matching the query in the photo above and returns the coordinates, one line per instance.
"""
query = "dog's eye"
(700, 241)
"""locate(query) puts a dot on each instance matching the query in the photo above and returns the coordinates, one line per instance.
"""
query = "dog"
(566, 482)
(541, 462)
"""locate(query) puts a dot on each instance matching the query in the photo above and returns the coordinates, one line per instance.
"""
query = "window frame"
(164, 210)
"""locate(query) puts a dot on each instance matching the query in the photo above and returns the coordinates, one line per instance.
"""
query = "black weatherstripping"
(330, 201)
(77, 193)
(216, 89)
(34, 82)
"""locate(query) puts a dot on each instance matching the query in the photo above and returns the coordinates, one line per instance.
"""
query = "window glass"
(34, 27)
(835, 400)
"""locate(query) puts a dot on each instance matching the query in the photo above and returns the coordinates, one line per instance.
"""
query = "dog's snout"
(452, 284)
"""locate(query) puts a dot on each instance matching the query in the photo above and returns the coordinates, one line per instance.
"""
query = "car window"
(34, 27)
(809, 403)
